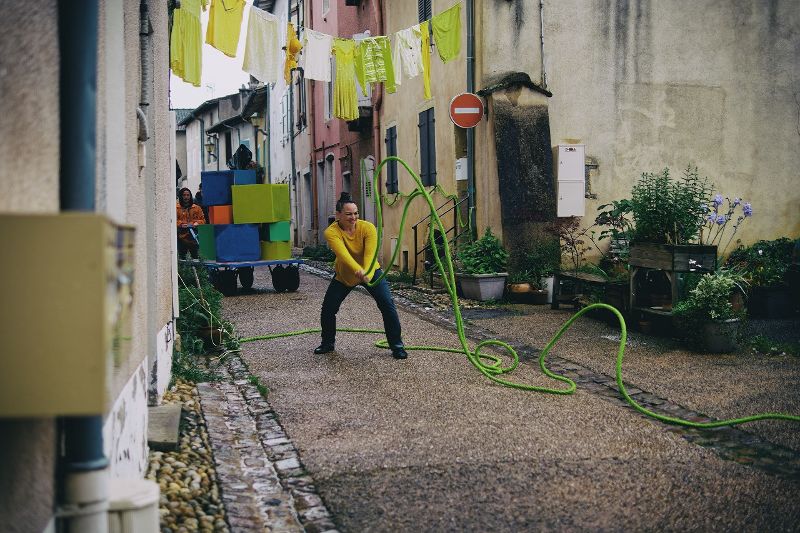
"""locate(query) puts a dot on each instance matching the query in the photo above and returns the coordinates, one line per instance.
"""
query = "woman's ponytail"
(344, 198)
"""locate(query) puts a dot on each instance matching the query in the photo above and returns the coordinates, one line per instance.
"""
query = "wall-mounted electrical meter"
(67, 286)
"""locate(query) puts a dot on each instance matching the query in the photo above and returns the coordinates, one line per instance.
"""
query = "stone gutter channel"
(265, 487)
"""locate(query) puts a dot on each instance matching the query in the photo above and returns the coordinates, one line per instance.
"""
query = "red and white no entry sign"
(466, 110)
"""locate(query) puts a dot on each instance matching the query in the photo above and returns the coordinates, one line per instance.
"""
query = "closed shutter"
(391, 166)
(431, 148)
(423, 146)
(427, 147)
(424, 9)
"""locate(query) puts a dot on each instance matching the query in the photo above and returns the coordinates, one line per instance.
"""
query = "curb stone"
(263, 483)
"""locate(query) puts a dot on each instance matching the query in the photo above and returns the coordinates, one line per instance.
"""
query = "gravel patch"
(190, 498)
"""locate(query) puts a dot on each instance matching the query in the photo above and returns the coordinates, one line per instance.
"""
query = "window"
(298, 17)
(300, 90)
(326, 6)
(427, 147)
(424, 9)
(391, 166)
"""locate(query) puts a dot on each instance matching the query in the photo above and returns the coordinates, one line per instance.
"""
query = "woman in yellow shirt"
(354, 242)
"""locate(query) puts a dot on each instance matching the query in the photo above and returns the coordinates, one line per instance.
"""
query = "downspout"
(378, 103)
(202, 144)
(83, 468)
(312, 161)
(267, 128)
(471, 131)
(541, 40)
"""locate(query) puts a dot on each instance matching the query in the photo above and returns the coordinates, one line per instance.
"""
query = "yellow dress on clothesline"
(186, 42)
(345, 98)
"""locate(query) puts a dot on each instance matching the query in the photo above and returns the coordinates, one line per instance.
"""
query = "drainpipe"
(268, 127)
(202, 144)
(541, 40)
(471, 131)
(378, 103)
(83, 468)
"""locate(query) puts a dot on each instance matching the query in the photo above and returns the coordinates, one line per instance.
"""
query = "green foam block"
(208, 246)
(279, 231)
(260, 203)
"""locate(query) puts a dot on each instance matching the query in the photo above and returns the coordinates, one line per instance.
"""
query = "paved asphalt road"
(429, 444)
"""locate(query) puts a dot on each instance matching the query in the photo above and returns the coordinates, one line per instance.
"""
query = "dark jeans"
(338, 291)
(183, 247)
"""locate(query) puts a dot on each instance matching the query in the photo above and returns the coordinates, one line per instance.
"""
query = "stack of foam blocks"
(247, 221)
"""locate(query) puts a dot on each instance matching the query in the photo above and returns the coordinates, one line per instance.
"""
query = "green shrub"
(669, 211)
(483, 256)
(764, 263)
(319, 253)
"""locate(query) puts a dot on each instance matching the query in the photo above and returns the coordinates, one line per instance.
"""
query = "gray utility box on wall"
(571, 174)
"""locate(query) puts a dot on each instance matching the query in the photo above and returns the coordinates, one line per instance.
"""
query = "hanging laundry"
(447, 32)
(293, 47)
(407, 54)
(425, 47)
(262, 49)
(374, 62)
(345, 99)
(316, 60)
(224, 25)
(186, 42)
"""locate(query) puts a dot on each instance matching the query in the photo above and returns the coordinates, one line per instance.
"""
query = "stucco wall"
(649, 85)
(29, 150)
(402, 109)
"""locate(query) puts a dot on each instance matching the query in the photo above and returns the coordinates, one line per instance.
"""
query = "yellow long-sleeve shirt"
(353, 253)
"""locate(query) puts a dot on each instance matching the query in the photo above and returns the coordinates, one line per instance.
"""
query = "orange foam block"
(220, 214)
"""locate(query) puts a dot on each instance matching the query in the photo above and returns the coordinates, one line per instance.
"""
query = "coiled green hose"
(490, 365)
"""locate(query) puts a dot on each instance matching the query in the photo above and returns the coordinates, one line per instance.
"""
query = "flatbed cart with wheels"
(223, 275)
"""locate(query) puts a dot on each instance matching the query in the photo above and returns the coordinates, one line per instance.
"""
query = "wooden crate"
(674, 257)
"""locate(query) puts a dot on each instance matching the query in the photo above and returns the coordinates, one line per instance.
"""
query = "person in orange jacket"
(189, 216)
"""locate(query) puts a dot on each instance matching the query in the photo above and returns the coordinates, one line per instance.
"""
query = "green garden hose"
(490, 365)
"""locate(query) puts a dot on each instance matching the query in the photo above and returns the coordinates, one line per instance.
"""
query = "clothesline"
(367, 60)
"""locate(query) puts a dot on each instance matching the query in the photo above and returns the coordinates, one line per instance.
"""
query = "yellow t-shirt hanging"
(447, 32)
(224, 25)
(186, 42)
(345, 98)
(426, 58)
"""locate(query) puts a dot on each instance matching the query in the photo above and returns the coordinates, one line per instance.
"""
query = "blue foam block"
(217, 184)
(237, 242)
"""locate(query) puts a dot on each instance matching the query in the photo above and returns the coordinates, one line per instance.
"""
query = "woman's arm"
(370, 245)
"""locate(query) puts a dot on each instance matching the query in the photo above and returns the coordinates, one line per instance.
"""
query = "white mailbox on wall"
(571, 176)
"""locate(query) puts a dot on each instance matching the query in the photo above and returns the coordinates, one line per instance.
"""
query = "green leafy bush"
(319, 253)
(483, 256)
(764, 263)
(200, 310)
(541, 258)
(669, 211)
(711, 298)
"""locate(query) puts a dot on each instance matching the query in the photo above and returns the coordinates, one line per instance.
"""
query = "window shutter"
(424, 9)
(423, 146)
(391, 167)
(431, 148)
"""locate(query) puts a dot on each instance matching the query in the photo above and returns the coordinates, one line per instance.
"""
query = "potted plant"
(764, 265)
(668, 216)
(532, 269)
(482, 268)
(708, 317)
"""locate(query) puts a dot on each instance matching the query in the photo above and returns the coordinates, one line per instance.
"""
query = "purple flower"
(712, 218)
(721, 219)
(748, 210)
(718, 200)
(736, 201)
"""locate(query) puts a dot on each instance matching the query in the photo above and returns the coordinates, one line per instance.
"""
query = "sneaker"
(324, 348)
(399, 353)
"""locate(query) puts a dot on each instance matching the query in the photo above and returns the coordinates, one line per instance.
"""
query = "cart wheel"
(279, 278)
(246, 277)
(224, 281)
(292, 278)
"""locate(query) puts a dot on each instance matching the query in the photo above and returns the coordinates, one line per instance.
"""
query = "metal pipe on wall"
(471, 131)
(541, 41)
(83, 495)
